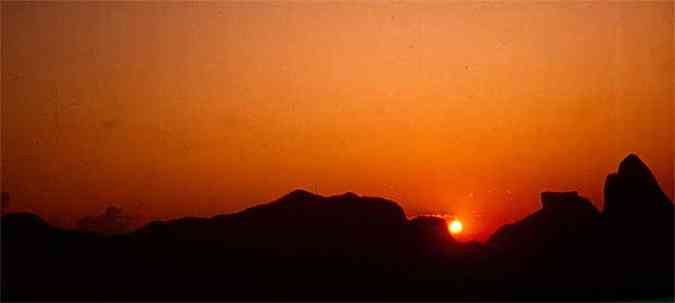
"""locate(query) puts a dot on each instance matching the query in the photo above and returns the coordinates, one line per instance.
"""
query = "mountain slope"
(304, 246)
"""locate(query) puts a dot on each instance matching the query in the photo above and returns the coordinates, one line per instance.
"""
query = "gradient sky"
(462, 108)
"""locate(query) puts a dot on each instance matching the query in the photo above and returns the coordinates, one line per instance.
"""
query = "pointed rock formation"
(633, 193)
(638, 226)
(636, 210)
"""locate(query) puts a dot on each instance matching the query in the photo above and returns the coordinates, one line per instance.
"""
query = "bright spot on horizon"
(455, 227)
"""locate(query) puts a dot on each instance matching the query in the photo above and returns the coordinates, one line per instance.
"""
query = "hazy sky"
(472, 109)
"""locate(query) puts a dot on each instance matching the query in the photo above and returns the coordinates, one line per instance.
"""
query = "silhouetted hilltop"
(628, 247)
(565, 217)
(347, 208)
(639, 221)
(635, 209)
(26, 225)
(298, 219)
(305, 246)
(30, 230)
(634, 194)
(567, 202)
(635, 206)
(28, 221)
(298, 195)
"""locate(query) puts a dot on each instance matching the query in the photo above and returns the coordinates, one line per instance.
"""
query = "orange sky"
(470, 109)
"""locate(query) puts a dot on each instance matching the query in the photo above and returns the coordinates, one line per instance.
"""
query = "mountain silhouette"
(639, 227)
(629, 245)
(305, 246)
(297, 220)
(565, 217)
(633, 195)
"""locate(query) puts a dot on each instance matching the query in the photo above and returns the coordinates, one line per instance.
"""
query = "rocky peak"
(633, 190)
(632, 166)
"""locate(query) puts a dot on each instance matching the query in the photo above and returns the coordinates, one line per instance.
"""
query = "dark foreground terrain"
(308, 247)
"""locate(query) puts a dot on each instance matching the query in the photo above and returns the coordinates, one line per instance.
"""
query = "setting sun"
(455, 227)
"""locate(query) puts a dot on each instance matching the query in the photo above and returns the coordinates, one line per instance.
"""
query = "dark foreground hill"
(308, 247)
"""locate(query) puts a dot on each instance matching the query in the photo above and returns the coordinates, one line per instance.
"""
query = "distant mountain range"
(305, 246)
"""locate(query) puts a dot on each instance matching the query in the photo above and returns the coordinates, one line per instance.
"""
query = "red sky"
(462, 108)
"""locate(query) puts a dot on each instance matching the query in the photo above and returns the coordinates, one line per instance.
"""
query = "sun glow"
(455, 227)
